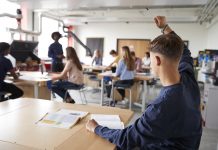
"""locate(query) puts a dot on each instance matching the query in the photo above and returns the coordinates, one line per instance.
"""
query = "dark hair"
(168, 45)
(56, 34)
(113, 52)
(148, 54)
(4, 47)
(128, 60)
(132, 53)
(71, 55)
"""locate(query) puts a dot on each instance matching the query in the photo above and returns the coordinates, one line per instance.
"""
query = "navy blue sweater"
(171, 122)
(54, 50)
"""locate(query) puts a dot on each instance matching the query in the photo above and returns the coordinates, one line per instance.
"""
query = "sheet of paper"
(102, 117)
(64, 118)
(80, 114)
(110, 121)
(112, 124)
(58, 120)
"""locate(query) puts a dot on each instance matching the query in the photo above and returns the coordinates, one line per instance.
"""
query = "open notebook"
(63, 118)
(110, 121)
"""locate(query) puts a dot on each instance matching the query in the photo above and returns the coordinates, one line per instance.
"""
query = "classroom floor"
(209, 140)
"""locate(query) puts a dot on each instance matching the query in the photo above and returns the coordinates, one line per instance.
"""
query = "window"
(48, 27)
(95, 43)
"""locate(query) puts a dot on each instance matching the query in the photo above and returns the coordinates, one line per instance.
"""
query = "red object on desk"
(48, 67)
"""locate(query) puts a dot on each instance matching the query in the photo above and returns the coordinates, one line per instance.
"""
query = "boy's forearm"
(167, 30)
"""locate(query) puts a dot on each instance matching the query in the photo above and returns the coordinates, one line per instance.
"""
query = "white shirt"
(146, 61)
(12, 59)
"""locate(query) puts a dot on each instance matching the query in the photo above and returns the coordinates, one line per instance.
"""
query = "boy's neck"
(169, 77)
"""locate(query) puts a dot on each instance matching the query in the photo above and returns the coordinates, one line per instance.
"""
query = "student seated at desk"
(125, 70)
(6, 66)
(146, 60)
(114, 54)
(97, 58)
(72, 71)
(138, 62)
(55, 52)
(113, 67)
(173, 120)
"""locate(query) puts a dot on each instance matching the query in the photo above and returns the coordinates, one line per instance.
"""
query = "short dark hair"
(57, 34)
(132, 53)
(148, 54)
(3, 47)
(113, 52)
(168, 45)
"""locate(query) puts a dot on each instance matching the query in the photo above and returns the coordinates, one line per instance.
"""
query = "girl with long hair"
(71, 76)
(125, 70)
(97, 58)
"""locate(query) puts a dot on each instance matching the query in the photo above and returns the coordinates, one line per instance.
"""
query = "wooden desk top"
(138, 76)
(100, 68)
(13, 146)
(18, 119)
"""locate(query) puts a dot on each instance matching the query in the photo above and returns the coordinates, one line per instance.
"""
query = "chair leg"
(65, 96)
(83, 93)
(130, 98)
(112, 92)
(81, 97)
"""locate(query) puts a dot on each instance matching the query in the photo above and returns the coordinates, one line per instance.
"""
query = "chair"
(80, 89)
(124, 86)
(2, 95)
(95, 78)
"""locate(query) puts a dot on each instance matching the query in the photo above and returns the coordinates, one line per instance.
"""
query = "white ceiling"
(83, 11)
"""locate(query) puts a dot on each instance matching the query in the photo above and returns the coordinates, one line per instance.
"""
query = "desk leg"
(102, 91)
(112, 92)
(36, 90)
(145, 94)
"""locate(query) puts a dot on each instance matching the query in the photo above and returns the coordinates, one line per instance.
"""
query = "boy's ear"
(158, 60)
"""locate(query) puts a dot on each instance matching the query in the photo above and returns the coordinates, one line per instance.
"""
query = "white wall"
(195, 33)
(212, 36)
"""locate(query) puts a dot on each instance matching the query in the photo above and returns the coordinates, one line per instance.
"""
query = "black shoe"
(113, 103)
(70, 100)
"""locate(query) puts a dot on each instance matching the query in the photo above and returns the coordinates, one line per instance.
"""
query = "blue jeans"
(61, 87)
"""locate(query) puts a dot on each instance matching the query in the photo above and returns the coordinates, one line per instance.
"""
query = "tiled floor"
(209, 139)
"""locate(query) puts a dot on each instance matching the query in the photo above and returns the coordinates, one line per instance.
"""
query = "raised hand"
(160, 21)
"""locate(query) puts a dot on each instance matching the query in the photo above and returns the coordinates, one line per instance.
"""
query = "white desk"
(19, 131)
(138, 77)
(35, 78)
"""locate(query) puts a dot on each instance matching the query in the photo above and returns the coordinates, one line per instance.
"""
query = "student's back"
(173, 120)
(123, 71)
(74, 75)
(178, 106)
(5, 66)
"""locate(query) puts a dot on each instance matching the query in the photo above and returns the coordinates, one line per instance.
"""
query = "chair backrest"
(74, 88)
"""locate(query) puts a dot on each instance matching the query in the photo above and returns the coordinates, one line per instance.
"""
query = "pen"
(74, 114)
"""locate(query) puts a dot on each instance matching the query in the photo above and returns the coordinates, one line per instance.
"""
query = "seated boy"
(6, 66)
(173, 120)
